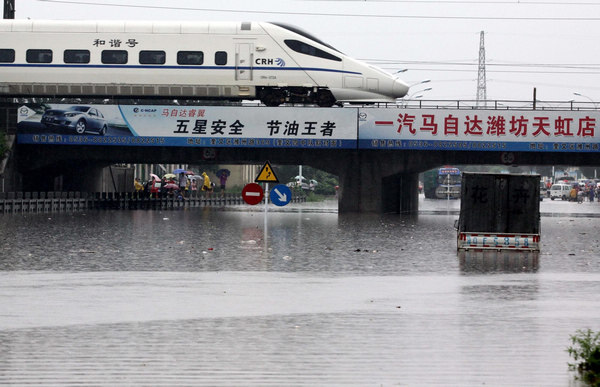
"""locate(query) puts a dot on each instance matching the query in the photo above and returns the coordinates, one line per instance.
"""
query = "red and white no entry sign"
(252, 193)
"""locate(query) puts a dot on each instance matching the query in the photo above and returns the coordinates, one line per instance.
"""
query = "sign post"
(266, 175)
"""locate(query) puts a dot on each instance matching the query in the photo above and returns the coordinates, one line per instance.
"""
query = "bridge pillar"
(366, 185)
(400, 193)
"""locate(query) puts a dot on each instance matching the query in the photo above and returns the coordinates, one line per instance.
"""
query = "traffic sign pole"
(266, 202)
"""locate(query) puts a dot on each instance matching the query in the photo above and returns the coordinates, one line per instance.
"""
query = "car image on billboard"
(80, 119)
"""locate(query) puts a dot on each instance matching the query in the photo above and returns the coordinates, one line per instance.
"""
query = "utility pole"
(9, 9)
(481, 82)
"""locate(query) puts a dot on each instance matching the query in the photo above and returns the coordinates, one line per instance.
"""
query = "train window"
(152, 57)
(190, 57)
(7, 55)
(77, 56)
(307, 49)
(220, 58)
(114, 56)
(39, 56)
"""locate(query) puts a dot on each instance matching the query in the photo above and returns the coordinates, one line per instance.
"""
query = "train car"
(272, 62)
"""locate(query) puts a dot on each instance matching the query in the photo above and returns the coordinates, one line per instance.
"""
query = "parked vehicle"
(490, 218)
(560, 191)
(303, 183)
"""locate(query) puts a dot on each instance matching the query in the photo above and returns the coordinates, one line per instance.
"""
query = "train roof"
(134, 26)
(149, 27)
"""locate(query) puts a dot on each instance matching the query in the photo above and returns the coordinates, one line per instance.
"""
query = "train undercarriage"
(271, 96)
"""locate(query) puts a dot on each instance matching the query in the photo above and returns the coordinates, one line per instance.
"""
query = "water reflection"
(498, 261)
(212, 296)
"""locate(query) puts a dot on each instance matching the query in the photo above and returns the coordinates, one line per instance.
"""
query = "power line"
(567, 66)
(438, 2)
(466, 62)
(501, 71)
(361, 15)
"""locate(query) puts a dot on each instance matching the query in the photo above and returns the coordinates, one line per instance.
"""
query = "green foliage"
(313, 197)
(326, 181)
(585, 350)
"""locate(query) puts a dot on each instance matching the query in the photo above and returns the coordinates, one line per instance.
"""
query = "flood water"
(219, 297)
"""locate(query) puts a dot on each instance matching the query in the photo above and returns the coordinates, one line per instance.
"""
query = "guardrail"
(37, 202)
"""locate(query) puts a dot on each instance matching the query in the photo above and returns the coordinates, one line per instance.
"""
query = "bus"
(442, 183)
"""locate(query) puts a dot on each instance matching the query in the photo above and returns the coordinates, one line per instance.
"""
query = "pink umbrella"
(154, 177)
(171, 186)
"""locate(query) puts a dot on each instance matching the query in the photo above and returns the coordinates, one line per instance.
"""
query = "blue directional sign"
(280, 195)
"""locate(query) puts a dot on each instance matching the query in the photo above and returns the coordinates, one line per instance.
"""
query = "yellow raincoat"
(206, 186)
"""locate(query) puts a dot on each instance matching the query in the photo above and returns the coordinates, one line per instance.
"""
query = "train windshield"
(305, 34)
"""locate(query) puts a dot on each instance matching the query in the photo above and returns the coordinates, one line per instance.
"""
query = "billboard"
(310, 127)
(479, 130)
(202, 126)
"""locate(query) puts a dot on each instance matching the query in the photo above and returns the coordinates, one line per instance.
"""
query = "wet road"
(207, 297)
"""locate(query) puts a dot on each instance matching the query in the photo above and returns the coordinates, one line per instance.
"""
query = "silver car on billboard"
(79, 118)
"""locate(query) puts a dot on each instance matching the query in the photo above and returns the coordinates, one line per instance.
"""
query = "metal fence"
(36, 202)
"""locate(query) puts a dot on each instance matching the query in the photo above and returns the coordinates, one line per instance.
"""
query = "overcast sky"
(550, 45)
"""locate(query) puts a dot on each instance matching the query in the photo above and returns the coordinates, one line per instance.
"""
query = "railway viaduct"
(377, 152)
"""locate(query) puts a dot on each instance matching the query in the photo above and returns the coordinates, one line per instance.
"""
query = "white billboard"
(479, 130)
(205, 126)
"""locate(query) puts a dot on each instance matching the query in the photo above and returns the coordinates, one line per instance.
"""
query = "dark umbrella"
(223, 171)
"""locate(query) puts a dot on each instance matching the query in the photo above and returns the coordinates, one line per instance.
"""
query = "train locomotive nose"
(400, 89)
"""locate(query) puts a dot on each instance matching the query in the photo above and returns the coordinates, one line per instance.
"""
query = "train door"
(353, 82)
(243, 61)
(373, 84)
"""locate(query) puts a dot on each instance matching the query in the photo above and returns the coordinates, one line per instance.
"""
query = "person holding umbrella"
(223, 175)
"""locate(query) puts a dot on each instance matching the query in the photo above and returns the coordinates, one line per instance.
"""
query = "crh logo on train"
(270, 62)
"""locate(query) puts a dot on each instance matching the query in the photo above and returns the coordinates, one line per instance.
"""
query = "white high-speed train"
(273, 62)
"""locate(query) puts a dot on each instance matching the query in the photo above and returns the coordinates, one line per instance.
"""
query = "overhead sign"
(201, 126)
(479, 130)
(252, 193)
(280, 195)
(266, 175)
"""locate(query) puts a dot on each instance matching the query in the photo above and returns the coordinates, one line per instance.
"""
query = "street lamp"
(412, 96)
(420, 83)
(585, 96)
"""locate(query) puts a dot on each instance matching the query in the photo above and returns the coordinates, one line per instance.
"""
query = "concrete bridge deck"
(376, 151)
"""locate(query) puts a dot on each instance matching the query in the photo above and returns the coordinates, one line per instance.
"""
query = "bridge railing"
(8, 106)
(490, 104)
(60, 201)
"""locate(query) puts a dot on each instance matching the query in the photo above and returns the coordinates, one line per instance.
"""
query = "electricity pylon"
(481, 82)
